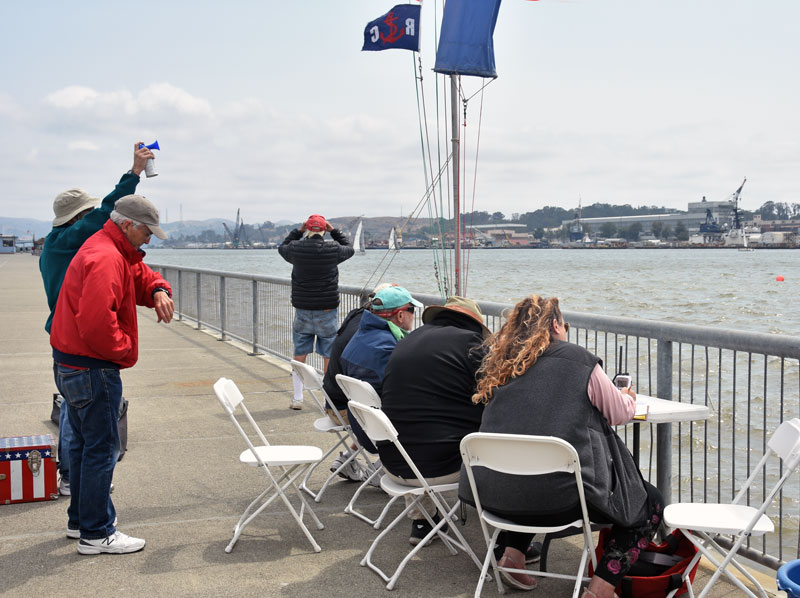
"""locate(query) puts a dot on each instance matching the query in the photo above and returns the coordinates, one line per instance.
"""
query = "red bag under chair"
(659, 568)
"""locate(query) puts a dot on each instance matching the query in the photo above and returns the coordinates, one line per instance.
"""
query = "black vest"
(551, 399)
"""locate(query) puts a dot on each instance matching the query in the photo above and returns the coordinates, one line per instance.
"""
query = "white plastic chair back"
(524, 455)
(307, 374)
(374, 421)
(312, 382)
(785, 442)
(358, 390)
(231, 397)
(228, 394)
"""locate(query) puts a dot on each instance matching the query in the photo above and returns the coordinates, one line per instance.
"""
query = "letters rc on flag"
(398, 28)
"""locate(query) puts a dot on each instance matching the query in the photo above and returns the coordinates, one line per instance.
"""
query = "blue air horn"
(150, 167)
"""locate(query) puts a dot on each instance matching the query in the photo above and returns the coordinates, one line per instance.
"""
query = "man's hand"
(140, 157)
(164, 306)
(328, 227)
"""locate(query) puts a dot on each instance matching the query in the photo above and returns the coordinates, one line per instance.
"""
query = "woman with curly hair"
(535, 382)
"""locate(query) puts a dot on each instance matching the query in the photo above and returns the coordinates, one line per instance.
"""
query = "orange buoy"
(779, 279)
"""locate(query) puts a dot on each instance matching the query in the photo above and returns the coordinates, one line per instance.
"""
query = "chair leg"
(489, 561)
(245, 519)
(333, 475)
(722, 566)
(351, 510)
(304, 484)
(276, 491)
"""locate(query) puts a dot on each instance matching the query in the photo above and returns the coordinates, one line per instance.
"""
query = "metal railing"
(749, 381)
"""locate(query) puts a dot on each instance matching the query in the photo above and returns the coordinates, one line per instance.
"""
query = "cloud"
(161, 97)
(82, 145)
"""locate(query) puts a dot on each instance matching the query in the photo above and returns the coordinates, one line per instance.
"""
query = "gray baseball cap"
(141, 209)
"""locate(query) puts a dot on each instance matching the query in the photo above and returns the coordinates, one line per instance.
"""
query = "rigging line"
(480, 91)
(426, 144)
(425, 197)
(383, 259)
(474, 180)
(417, 208)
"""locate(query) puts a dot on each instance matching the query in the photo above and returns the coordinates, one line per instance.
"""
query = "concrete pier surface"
(182, 488)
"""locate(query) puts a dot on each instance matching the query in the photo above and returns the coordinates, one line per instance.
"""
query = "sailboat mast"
(456, 177)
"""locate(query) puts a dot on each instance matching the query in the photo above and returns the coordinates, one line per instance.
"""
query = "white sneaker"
(119, 543)
(63, 487)
(75, 534)
(351, 471)
(296, 404)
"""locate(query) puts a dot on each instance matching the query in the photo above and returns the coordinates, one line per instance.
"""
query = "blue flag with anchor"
(398, 28)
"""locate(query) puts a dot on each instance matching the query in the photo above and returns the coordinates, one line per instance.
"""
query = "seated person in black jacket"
(427, 394)
(336, 398)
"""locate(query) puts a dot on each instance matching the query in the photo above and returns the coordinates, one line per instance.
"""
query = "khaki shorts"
(332, 414)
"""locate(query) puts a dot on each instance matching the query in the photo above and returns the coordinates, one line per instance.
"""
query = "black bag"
(658, 569)
(122, 426)
(55, 415)
(55, 412)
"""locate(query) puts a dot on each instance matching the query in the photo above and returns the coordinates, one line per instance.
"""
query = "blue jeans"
(310, 324)
(65, 435)
(92, 398)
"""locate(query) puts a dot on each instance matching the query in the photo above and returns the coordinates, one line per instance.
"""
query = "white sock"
(298, 387)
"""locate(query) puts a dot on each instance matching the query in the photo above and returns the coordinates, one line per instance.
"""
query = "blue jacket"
(63, 242)
(368, 352)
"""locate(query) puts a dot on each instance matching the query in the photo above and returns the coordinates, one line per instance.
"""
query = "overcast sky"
(271, 106)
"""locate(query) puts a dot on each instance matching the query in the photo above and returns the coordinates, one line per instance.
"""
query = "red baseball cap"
(315, 223)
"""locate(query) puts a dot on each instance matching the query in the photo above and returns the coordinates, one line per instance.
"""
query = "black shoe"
(421, 528)
(532, 555)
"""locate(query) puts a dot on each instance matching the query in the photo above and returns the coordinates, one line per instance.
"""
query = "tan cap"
(462, 305)
(70, 203)
(141, 209)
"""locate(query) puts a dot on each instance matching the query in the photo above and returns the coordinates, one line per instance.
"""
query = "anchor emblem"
(394, 32)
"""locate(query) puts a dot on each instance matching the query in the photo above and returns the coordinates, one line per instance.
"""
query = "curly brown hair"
(518, 344)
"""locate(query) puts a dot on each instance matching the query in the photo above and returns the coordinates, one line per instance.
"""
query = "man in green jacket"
(77, 217)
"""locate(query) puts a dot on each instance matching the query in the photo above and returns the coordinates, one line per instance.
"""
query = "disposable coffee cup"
(623, 380)
(150, 168)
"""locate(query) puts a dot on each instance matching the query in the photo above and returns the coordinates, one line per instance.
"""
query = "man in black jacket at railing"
(315, 289)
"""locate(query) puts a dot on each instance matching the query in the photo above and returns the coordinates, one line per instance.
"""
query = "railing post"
(255, 319)
(199, 309)
(222, 309)
(664, 431)
(180, 294)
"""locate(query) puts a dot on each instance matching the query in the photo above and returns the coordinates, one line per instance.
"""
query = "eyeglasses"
(566, 326)
(410, 308)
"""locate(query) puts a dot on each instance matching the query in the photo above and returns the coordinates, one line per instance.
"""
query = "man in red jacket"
(95, 334)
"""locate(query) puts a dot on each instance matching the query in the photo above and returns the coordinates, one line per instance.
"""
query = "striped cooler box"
(27, 469)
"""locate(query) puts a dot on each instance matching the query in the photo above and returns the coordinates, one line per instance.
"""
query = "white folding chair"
(378, 427)
(362, 392)
(292, 461)
(312, 382)
(525, 456)
(698, 521)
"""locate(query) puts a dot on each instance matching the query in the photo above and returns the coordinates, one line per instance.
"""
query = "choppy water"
(721, 287)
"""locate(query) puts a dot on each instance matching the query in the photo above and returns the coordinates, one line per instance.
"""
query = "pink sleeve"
(616, 407)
